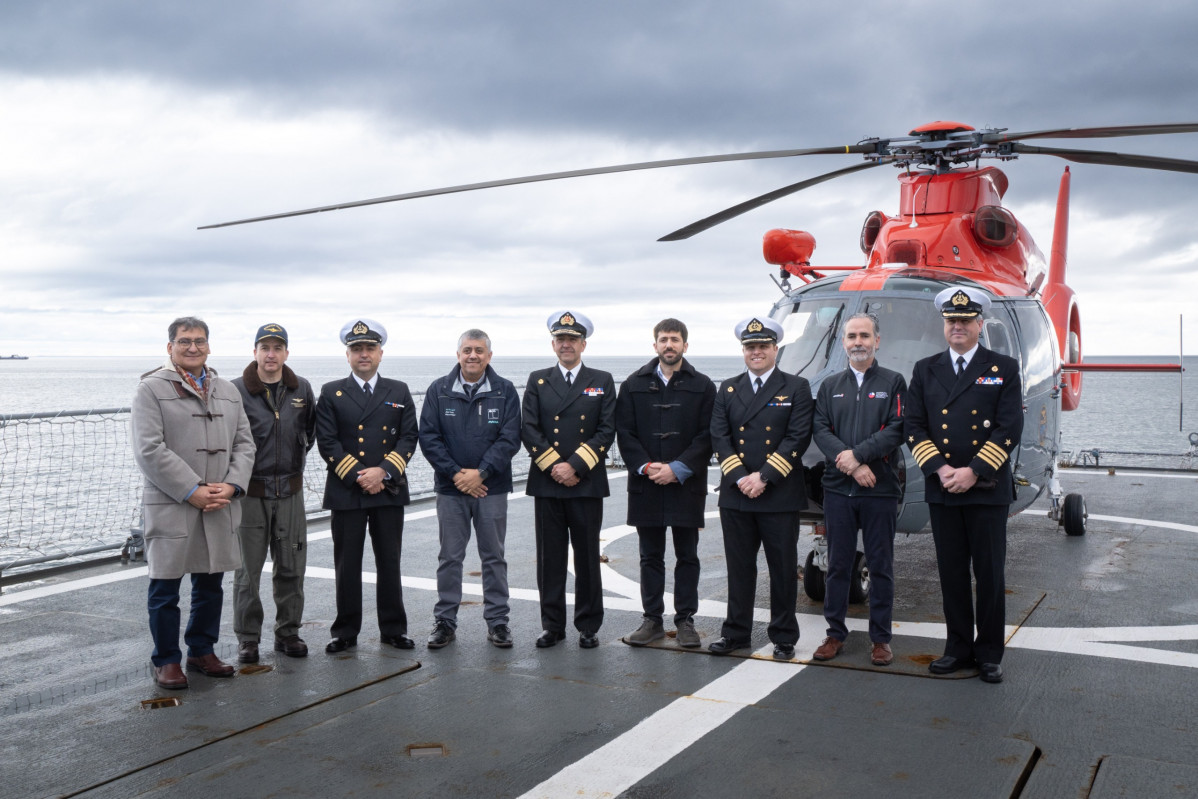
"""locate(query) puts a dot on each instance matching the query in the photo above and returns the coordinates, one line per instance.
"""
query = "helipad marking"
(627, 759)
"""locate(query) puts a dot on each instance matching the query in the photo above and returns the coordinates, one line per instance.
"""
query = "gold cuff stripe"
(993, 454)
(547, 459)
(924, 451)
(588, 456)
(345, 466)
(988, 458)
(730, 463)
(396, 460)
(778, 462)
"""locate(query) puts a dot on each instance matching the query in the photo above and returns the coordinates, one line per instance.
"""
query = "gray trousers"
(280, 527)
(454, 516)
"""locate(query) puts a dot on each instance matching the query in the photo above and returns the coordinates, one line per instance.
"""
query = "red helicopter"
(951, 229)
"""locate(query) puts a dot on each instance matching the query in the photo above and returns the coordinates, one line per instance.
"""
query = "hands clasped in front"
(211, 496)
(956, 481)
(564, 473)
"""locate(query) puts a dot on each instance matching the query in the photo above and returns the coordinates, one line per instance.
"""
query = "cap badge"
(566, 319)
(755, 327)
(360, 328)
(273, 329)
(960, 298)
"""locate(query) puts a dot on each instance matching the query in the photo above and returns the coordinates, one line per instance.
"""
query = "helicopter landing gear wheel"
(1073, 514)
(813, 579)
(859, 580)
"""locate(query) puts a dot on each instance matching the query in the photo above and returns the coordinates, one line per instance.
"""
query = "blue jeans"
(203, 625)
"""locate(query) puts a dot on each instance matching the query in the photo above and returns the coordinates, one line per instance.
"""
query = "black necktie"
(366, 388)
(470, 389)
(757, 385)
(960, 364)
(569, 379)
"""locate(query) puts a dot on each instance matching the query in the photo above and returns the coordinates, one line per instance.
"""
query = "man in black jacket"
(469, 432)
(760, 428)
(963, 421)
(663, 427)
(859, 428)
(568, 426)
(366, 430)
(282, 413)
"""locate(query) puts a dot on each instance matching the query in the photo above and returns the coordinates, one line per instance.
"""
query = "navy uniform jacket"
(660, 424)
(354, 433)
(576, 425)
(975, 422)
(767, 432)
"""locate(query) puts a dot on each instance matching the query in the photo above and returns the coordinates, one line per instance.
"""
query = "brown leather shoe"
(829, 649)
(292, 646)
(881, 656)
(211, 666)
(169, 675)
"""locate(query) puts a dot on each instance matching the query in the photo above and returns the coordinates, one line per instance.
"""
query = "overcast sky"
(126, 125)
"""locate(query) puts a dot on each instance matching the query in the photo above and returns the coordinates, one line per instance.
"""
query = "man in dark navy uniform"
(568, 427)
(366, 430)
(663, 427)
(760, 428)
(964, 419)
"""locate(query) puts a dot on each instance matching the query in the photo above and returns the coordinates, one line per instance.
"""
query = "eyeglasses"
(186, 343)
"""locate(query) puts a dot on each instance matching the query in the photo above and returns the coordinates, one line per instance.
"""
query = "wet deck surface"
(1098, 699)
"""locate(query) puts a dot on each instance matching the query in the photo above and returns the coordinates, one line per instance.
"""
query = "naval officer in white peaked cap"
(366, 429)
(568, 425)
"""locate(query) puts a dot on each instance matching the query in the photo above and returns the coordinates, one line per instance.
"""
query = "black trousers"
(349, 539)
(876, 518)
(972, 536)
(653, 572)
(745, 533)
(562, 524)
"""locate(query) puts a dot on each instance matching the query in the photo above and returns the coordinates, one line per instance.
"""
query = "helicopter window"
(812, 335)
(1036, 335)
(998, 338)
(910, 330)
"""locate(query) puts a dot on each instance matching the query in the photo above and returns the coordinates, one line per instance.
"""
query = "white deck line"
(627, 759)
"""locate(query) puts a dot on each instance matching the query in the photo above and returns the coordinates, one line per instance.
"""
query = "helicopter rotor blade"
(1114, 131)
(1111, 159)
(757, 202)
(573, 173)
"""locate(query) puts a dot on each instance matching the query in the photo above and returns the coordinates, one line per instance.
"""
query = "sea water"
(1139, 412)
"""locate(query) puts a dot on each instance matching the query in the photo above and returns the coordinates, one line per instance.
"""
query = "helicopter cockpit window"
(812, 334)
(997, 337)
(911, 330)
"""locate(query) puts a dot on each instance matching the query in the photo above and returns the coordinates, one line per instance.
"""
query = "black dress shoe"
(784, 651)
(948, 664)
(500, 635)
(549, 638)
(441, 635)
(400, 641)
(588, 640)
(724, 646)
(991, 672)
(340, 645)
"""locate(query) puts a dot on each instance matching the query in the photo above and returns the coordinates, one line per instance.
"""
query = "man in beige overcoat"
(192, 441)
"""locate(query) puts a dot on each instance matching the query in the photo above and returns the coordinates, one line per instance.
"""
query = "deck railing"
(69, 487)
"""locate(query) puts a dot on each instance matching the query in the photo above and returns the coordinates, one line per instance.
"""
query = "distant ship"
(14, 357)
